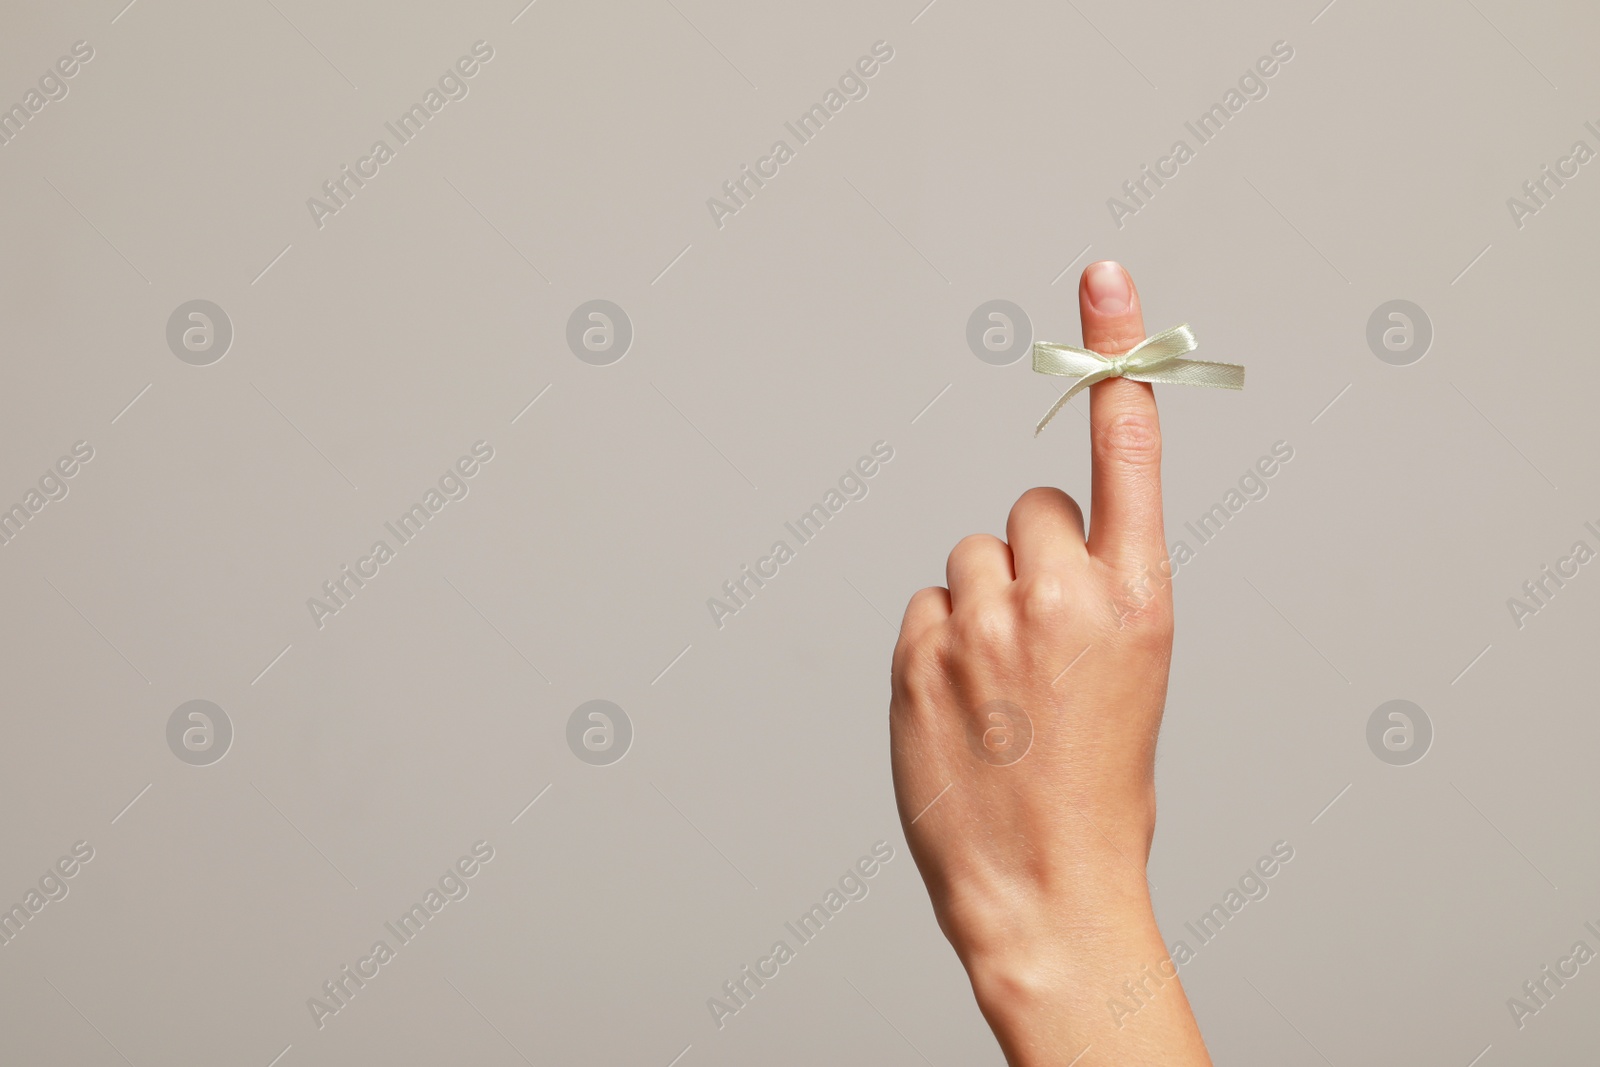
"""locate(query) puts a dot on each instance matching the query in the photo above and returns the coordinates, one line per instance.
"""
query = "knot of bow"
(1155, 359)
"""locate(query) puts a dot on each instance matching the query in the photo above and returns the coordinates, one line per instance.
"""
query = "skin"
(1031, 819)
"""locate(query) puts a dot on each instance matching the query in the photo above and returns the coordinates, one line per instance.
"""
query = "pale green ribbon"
(1155, 359)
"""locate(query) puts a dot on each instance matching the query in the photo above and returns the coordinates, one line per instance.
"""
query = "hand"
(1026, 702)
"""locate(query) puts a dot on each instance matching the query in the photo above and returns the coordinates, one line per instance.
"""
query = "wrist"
(1072, 961)
(1078, 904)
(1101, 982)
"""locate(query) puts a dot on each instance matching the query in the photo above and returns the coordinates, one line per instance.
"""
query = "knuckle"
(1038, 496)
(972, 544)
(1042, 500)
(1131, 437)
(1148, 622)
(917, 666)
(1042, 597)
(986, 626)
(920, 600)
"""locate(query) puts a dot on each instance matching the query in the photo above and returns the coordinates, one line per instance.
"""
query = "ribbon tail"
(1082, 384)
(1192, 372)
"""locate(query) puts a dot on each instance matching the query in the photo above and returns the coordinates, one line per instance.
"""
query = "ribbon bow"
(1155, 359)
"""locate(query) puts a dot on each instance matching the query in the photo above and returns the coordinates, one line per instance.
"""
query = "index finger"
(1126, 527)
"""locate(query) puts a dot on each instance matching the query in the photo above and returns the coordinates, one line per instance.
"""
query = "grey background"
(767, 356)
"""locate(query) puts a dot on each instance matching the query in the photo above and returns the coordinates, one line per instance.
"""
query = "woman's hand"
(1026, 702)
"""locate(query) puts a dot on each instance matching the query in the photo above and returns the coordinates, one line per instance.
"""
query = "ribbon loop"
(1155, 359)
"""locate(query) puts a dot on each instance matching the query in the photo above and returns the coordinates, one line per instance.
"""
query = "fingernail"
(1109, 289)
